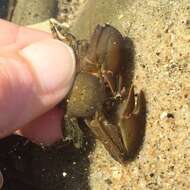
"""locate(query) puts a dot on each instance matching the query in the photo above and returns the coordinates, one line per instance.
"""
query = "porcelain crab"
(99, 93)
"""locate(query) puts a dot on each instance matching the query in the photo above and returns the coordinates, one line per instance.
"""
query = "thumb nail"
(52, 63)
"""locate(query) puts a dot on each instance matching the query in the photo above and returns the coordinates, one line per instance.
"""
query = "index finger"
(19, 36)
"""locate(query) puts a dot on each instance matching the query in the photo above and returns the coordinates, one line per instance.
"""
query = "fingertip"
(33, 81)
(52, 63)
(46, 129)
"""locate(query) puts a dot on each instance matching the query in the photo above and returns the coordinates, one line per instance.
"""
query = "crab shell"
(99, 96)
(98, 74)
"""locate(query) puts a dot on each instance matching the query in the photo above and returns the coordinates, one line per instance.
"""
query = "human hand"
(36, 72)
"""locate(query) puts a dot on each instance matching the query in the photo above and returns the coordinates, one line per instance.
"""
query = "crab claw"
(132, 122)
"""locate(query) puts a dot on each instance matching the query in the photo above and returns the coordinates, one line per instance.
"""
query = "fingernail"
(53, 64)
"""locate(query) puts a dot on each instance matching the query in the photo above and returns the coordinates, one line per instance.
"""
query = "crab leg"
(123, 138)
(60, 31)
(132, 122)
(109, 135)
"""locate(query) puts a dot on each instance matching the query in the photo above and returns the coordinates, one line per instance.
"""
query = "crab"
(99, 93)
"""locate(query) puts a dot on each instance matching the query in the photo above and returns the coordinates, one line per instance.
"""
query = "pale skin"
(36, 73)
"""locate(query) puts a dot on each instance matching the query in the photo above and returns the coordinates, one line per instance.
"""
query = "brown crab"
(99, 94)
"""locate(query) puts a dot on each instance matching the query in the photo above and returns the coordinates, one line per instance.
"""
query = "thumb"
(32, 81)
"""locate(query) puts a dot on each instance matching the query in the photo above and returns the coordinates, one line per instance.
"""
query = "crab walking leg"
(60, 31)
(72, 132)
(131, 122)
(109, 135)
(54, 25)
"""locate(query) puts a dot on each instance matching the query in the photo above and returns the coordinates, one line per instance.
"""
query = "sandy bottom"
(160, 31)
